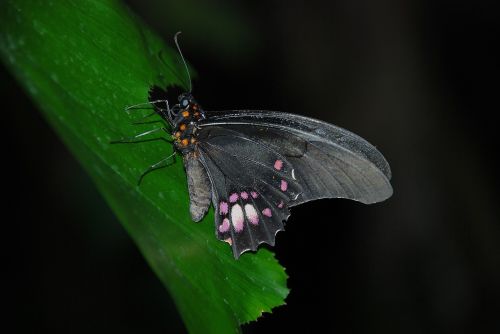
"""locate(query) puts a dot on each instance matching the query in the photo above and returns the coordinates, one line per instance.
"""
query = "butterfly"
(254, 165)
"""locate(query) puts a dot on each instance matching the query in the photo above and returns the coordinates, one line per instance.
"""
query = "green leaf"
(82, 62)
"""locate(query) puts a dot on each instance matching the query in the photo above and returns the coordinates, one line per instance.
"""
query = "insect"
(253, 166)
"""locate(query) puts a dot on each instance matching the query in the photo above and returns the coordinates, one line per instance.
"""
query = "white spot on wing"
(251, 214)
(233, 198)
(237, 218)
(267, 212)
(283, 185)
(224, 227)
(278, 164)
(293, 174)
(223, 208)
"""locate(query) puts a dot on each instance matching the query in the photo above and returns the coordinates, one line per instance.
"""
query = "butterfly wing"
(260, 163)
(249, 210)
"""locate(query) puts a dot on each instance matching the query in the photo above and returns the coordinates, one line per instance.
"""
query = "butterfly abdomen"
(198, 185)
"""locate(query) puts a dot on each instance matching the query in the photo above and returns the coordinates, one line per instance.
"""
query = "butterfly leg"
(132, 139)
(143, 120)
(136, 106)
(160, 164)
(165, 113)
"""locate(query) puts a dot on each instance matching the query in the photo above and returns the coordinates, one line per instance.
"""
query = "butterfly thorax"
(185, 127)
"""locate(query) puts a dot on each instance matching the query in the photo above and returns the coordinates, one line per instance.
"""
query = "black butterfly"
(254, 165)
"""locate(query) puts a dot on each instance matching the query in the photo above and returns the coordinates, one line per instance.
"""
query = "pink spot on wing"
(251, 214)
(281, 204)
(244, 195)
(254, 194)
(237, 218)
(278, 164)
(223, 208)
(224, 227)
(284, 185)
(233, 198)
(267, 212)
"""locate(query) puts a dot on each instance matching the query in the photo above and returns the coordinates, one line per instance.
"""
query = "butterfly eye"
(184, 103)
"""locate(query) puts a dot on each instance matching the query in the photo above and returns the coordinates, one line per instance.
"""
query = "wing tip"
(379, 197)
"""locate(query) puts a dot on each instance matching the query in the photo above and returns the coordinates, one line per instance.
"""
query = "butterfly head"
(186, 100)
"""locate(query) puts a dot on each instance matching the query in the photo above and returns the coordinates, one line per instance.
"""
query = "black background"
(418, 79)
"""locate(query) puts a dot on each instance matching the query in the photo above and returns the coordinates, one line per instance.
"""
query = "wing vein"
(367, 181)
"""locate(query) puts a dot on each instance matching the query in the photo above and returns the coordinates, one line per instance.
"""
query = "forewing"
(287, 159)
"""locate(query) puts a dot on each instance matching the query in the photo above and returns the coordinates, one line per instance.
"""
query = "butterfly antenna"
(183, 60)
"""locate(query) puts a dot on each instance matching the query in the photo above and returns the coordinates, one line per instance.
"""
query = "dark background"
(418, 79)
